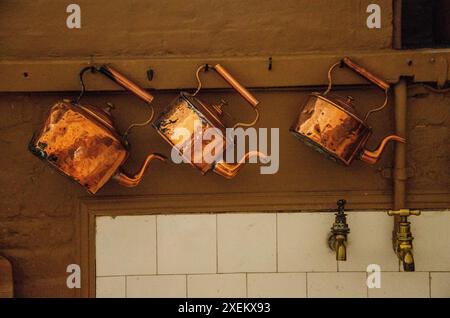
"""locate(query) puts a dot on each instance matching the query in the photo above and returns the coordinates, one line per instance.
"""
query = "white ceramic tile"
(369, 242)
(125, 245)
(337, 285)
(402, 285)
(217, 286)
(157, 286)
(186, 244)
(277, 285)
(246, 242)
(431, 232)
(302, 242)
(440, 285)
(110, 287)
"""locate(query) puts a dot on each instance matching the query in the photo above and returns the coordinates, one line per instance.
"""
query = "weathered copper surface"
(82, 142)
(331, 125)
(80, 146)
(189, 114)
(182, 114)
(325, 125)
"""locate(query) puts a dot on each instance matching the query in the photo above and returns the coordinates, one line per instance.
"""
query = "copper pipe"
(397, 34)
(400, 149)
(127, 181)
(400, 92)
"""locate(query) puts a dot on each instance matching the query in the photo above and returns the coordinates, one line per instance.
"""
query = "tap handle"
(404, 212)
(341, 205)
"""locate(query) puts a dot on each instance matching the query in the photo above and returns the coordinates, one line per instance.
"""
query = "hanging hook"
(197, 75)
(330, 80)
(93, 69)
(379, 108)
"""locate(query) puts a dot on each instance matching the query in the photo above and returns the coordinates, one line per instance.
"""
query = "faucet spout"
(131, 181)
(402, 240)
(337, 241)
(408, 261)
(341, 248)
(372, 157)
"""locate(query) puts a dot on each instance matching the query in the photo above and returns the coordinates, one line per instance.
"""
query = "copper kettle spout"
(127, 181)
(372, 157)
(229, 171)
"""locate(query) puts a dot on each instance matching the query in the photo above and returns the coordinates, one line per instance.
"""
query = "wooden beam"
(50, 75)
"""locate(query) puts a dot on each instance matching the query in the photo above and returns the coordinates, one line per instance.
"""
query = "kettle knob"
(350, 100)
(109, 106)
(219, 108)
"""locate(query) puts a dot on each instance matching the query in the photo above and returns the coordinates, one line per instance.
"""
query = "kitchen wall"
(265, 255)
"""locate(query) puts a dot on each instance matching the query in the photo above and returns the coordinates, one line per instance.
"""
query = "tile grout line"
(276, 242)
(246, 285)
(217, 245)
(126, 286)
(367, 287)
(307, 296)
(187, 295)
(429, 284)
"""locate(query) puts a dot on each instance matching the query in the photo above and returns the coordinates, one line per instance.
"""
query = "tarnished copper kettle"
(330, 124)
(190, 113)
(82, 142)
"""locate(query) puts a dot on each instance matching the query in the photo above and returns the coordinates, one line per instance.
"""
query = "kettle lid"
(346, 103)
(102, 115)
(210, 112)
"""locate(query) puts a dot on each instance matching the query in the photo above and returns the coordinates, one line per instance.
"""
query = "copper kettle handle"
(126, 83)
(234, 84)
(365, 74)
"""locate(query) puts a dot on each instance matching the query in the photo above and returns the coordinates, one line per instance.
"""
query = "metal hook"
(93, 69)
(330, 80)
(197, 75)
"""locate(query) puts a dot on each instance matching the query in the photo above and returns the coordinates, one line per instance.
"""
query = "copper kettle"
(82, 142)
(190, 113)
(330, 124)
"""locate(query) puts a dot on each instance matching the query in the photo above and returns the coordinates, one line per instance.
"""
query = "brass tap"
(402, 237)
(337, 240)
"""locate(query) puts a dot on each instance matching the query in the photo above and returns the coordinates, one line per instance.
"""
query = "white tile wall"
(246, 243)
(217, 285)
(403, 285)
(186, 244)
(277, 285)
(431, 231)
(369, 242)
(302, 242)
(126, 245)
(111, 287)
(337, 285)
(265, 255)
(157, 286)
(440, 285)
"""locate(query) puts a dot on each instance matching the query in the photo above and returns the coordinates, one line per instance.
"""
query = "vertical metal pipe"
(400, 91)
(397, 34)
